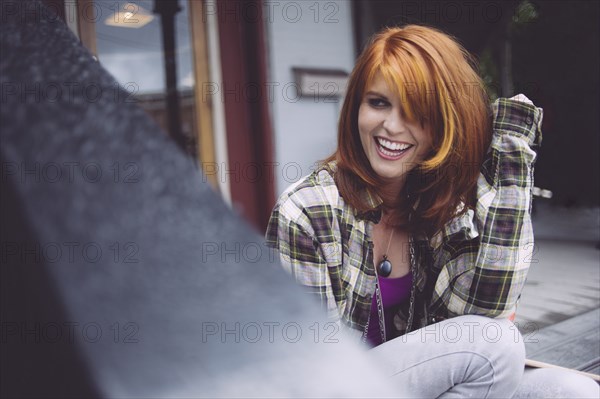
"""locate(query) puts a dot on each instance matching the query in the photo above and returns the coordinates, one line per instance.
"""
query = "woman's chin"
(390, 176)
(391, 172)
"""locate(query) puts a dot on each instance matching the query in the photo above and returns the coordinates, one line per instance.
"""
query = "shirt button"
(529, 120)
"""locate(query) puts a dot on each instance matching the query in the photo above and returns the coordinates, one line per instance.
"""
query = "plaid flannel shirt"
(476, 264)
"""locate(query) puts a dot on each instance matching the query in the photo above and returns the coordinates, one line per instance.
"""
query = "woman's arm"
(291, 231)
(483, 256)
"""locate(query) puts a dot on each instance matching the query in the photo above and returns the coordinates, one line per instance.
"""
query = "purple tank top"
(394, 291)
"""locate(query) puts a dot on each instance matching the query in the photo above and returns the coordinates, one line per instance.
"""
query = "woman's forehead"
(377, 83)
(389, 85)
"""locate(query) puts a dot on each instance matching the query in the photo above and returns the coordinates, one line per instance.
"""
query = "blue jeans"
(472, 356)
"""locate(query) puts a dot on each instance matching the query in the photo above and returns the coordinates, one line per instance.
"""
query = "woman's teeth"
(390, 148)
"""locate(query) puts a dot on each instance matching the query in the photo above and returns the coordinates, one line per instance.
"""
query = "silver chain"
(380, 313)
(379, 298)
(411, 308)
(366, 330)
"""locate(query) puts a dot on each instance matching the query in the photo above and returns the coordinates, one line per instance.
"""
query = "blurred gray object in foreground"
(123, 275)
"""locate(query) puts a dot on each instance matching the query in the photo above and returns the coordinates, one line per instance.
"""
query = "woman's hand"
(522, 98)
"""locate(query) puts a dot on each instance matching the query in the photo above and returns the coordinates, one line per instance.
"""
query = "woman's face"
(392, 144)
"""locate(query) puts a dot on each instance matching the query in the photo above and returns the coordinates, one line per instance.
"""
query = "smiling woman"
(433, 186)
(426, 80)
(387, 134)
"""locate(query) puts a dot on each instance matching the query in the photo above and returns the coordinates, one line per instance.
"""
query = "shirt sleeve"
(484, 255)
(291, 233)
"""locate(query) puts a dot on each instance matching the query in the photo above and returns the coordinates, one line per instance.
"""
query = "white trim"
(219, 123)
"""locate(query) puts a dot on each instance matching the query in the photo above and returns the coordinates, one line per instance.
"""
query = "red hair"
(435, 78)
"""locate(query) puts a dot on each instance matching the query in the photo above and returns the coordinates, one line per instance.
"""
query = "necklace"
(385, 266)
(379, 297)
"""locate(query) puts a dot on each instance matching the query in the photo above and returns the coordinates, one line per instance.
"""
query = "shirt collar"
(373, 202)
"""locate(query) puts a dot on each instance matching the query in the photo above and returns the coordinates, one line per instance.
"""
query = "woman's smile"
(393, 144)
(391, 150)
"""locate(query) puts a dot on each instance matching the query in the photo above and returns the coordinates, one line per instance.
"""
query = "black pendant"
(385, 267)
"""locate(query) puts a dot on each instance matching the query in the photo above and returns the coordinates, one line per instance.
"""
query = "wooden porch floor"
(559, 311)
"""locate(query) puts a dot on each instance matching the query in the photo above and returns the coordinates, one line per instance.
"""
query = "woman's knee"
(498, 339)
(556, 383)
(497, 349)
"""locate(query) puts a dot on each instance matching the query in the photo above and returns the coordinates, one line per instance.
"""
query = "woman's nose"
(394, 123)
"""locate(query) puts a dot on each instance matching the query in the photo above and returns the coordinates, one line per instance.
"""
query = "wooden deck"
(573, 343)
(559, 311)
(565, 282)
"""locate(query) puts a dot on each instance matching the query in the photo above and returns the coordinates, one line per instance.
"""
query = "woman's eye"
(377, 102)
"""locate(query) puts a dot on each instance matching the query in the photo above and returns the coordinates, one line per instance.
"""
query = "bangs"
(409, 76)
